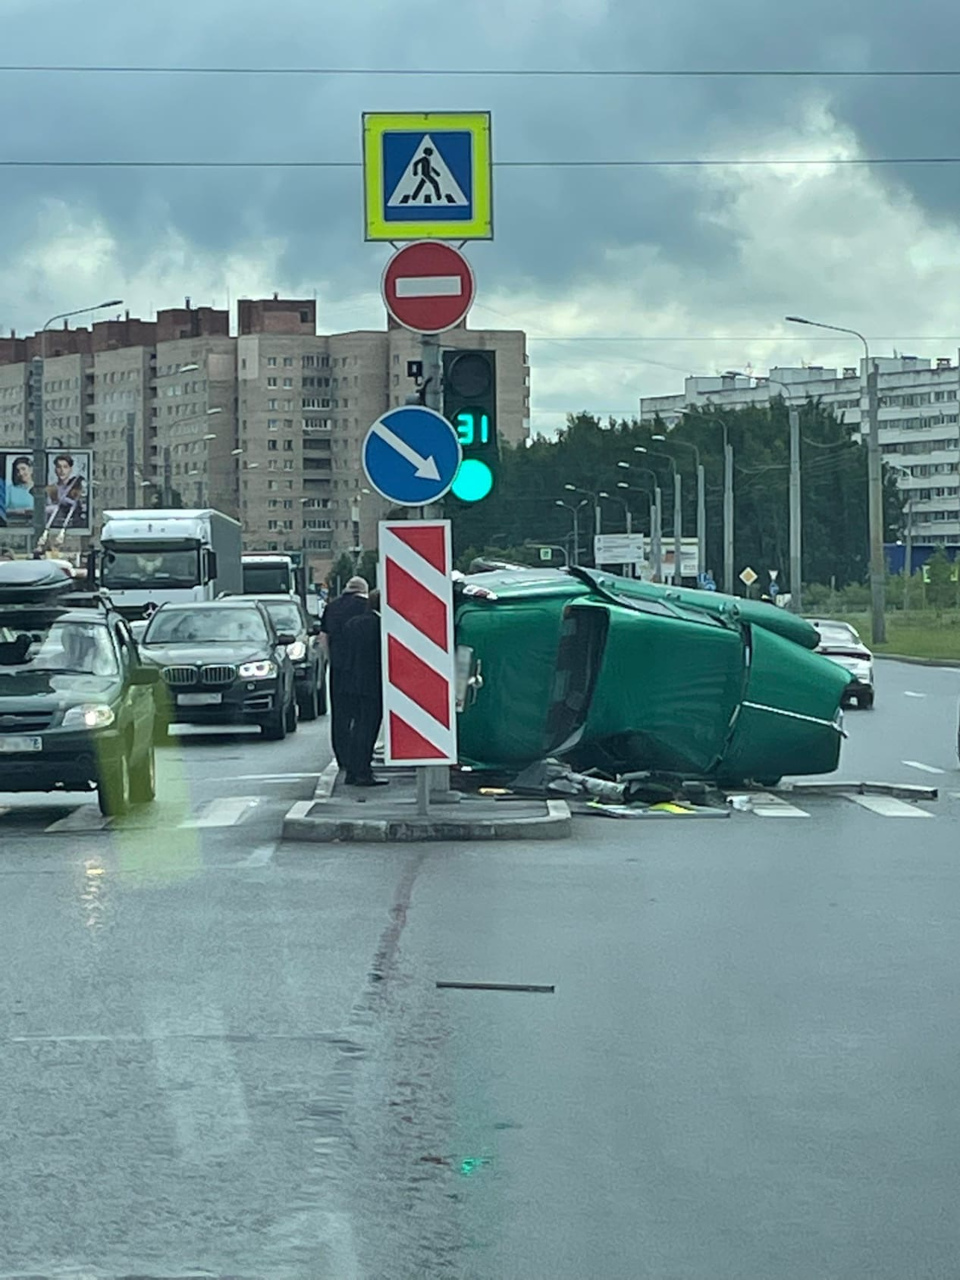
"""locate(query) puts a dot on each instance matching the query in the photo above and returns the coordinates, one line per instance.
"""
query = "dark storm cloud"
(553, 226)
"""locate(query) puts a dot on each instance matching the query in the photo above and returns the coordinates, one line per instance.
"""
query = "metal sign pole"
(436, 781)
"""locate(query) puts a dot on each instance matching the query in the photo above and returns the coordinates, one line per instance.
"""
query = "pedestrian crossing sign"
(427, 176)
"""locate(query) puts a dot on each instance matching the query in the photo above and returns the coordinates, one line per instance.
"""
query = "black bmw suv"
(76, 706)
(221, 662)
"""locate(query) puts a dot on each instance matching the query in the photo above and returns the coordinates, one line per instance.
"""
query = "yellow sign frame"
(376, 125)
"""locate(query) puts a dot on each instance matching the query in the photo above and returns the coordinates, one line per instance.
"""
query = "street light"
(656, 514)
(38, 449)
(591, 493)
(878, 568)
(701, 501)
(906, 471)
(575, 511)
(727, 498)
(677, 506)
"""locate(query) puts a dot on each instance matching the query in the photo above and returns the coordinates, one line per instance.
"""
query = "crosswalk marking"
(225, 812)
(86, 817)
(887, 806)
(765, 805)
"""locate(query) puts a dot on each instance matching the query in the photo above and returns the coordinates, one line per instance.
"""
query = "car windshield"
(266, 578)
(148, 565)
(205, 626)
(838, 633)
(285, 616)
(34, 643)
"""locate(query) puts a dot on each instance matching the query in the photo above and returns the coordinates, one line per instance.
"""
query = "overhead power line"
(739, 337)
(613, 73)
(698, 163)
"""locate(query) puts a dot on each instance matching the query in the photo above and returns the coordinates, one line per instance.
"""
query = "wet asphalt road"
(224, 1056)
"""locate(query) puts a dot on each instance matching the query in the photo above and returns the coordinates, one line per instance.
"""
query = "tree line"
(523, 508)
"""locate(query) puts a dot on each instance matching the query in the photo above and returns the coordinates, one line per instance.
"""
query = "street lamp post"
(677, 509)
(38, 448)
(728, 563)
(701, 501)
(591, 493)
(656, 518)
(896, 466)
(575, 511)
(878, 568)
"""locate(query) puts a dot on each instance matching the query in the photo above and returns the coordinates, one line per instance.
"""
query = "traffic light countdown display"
(470, 404)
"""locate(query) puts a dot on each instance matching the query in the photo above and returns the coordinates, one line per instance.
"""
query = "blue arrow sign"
(411, 455)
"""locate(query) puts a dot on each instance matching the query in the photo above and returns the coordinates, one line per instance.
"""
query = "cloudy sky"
(625, 278)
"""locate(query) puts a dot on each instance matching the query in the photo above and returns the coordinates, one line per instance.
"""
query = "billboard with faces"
(66, 490)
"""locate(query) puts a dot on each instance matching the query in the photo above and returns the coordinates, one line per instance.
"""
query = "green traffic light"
(473, 480)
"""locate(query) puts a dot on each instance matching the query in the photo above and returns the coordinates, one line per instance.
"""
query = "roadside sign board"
(411, 455)
(67, 491)
(428, 286)
(427, 176)
(618, 548)
(748, 576)
(546, 554)
(419, 660)
(689, 558)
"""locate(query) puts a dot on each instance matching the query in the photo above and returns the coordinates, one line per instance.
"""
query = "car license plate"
(198, 699)
(10, 746)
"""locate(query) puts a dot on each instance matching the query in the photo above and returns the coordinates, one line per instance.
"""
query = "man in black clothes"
(362, 638)
(351, 604)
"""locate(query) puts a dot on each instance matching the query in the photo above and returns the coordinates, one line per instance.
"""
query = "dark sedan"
(222, 662)
(307, 654)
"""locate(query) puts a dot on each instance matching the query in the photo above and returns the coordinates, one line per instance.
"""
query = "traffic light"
(470, 405)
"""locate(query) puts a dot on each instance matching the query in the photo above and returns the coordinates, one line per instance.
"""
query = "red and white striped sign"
(416, 612)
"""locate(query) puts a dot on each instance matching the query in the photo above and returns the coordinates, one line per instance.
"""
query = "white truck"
(272, 573)
(150, 557)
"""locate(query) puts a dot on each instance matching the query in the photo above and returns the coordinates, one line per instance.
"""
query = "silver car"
(842, 644)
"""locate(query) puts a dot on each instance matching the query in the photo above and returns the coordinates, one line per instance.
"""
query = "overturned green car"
(626, 676)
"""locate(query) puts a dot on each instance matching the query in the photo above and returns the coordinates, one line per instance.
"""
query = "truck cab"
(151, 558)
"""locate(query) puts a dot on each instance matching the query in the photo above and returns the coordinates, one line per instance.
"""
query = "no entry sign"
(428, 286)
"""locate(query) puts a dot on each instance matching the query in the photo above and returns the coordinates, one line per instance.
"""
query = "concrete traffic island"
(388, 815)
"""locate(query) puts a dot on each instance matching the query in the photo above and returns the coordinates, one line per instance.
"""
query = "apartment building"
(266, 425)
(919, 404)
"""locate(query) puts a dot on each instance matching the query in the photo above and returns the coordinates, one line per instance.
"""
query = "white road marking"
(927, 768)
(86, 817)
(888, 806)
(260, 857)
(429, 286)
(225, 812)
(269, 777)
(300, 809)
(765, 805)
(909, 693)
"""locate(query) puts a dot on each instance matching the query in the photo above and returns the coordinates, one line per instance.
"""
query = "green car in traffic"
(627, 676)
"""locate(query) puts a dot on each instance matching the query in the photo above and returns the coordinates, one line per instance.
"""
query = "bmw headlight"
(89, 716)
(297, 650)
(257, 670)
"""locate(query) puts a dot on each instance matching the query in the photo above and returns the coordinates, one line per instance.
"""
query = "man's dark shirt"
(334, 621)
(362, 642)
